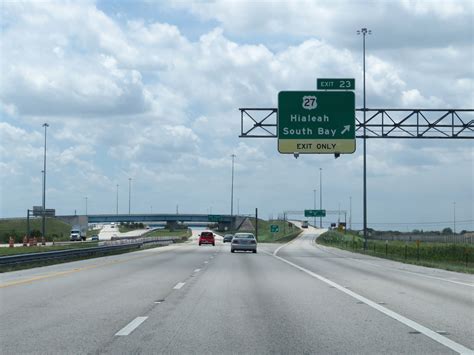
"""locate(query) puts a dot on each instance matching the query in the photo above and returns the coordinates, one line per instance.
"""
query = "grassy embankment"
(454, 257)
(287, 231)
(56, 230)
(41, 249)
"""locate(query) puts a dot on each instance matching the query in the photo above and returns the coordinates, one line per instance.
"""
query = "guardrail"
(112, 247)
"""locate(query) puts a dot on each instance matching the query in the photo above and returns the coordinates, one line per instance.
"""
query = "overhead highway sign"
(316, 122)
(335, 84)
(315, 213)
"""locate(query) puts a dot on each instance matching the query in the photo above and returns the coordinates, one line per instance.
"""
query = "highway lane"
(190, 299)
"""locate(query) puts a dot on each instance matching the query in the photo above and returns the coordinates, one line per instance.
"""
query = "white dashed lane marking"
(179, 285)
(130, 327)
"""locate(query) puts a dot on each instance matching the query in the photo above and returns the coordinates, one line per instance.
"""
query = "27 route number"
(309, 102)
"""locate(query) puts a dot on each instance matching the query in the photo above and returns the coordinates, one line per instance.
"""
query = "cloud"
(132, 96)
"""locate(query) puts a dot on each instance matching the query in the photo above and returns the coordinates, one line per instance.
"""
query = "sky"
(150, 91)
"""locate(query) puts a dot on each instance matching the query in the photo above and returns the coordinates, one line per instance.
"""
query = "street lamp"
(364, 31)
(320, 195)
(129, 194)
(454, 210)
(314, 199)
(116, 205)
(43, 221)
(232, 188)
(350, 212)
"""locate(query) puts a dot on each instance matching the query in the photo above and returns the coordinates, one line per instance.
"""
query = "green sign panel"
(214, 218)
(274, 228)
(335, 84)
(315, 213)
(316, 122)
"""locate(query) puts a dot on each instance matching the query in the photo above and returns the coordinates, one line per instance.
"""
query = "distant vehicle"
(304, 224)
(78, 233)
(243, 241)
(207, 238)
(95, 237)
(228, 238)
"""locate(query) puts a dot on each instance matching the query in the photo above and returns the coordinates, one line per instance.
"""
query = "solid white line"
(179, 285)
(408, 322)
(130, 327)
(197, 270)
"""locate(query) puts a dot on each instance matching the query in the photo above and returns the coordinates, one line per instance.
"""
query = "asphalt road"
(182, 299)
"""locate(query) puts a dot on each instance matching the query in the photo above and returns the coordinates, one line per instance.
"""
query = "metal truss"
(380, 123)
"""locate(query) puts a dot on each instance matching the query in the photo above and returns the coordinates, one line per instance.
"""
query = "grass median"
(453, 257)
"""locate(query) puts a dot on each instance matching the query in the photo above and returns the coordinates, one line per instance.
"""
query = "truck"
(78, 233)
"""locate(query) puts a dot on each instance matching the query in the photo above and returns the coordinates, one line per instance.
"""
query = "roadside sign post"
(321, 122)
(274, 228)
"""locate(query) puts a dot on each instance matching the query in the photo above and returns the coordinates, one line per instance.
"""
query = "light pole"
(232, 188)
(129, 194)
(116, 205)
(454, 210)
(320, 195)
(86, 204)
(43, 221)
(350, 212)
(364, 31)
(314, 199)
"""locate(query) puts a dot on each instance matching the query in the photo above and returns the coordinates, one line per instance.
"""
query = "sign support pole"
(364, 32)
(256, 223)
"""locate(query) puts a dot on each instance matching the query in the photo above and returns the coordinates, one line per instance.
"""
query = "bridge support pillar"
(172, 225)
(223, 226)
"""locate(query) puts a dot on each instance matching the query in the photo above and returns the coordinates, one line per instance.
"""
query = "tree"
(447, 230)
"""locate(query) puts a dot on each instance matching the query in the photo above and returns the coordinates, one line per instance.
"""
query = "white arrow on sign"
(346, 129)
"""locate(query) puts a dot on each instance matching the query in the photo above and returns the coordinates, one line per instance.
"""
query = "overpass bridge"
(172, 220)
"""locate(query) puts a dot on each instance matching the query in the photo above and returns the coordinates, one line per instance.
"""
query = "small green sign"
(316, 122)
(335, 84)
(274, 228)
(315, 213)
(214, 218)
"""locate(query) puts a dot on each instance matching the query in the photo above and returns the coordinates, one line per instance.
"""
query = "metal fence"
(434, 238)
(105, 248)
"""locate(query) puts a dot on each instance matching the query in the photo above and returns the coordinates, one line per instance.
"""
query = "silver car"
(243, 241)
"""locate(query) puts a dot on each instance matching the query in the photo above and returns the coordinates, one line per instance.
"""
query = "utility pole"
(43, 220)
(129, 195)
(232, 189)
(86, 204)
(364, 31)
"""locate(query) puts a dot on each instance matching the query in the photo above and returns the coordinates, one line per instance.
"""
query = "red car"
(207, 238)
